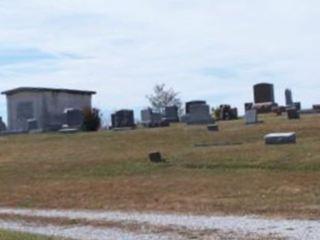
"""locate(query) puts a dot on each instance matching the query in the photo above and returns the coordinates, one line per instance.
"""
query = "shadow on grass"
(267, 166)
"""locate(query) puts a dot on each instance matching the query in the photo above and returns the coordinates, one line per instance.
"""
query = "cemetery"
(114, 170)
(149, 168)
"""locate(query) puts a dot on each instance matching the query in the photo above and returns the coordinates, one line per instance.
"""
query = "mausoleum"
(46, 106)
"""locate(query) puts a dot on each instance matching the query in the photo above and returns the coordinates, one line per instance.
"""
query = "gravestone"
(155, 157)
(3, 126)
(316, 107)
(297, 105)
(171, 114)
(198, 114)
(233, 113)
(263, 93)
(280, 138)
(288, 96)
(293, 113)
(123, 119)
(191, 103)
(213, 127)
(150, 119)
(251, 116)
(68, 130)
(73, 117)
(32, 125)
(225, 112)
(228, 113)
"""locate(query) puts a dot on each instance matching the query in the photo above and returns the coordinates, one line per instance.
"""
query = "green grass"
(233, 171)
(6, 235)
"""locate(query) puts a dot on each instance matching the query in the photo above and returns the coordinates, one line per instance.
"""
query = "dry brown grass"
(110, 170)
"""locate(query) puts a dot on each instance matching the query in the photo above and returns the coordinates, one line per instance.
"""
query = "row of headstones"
(197, 112)
(251, 116)
(125, 118)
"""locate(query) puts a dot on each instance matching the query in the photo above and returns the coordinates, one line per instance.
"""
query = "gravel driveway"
(104, 225)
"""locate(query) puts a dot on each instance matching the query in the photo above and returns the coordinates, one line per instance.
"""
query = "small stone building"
(44, 105)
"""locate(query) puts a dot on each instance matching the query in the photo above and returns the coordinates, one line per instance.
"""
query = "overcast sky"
(205, 49)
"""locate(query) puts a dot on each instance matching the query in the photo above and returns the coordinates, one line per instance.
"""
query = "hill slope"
(230, 171)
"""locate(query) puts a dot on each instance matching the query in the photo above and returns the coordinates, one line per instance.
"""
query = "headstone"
(213, 127)
(251, 116)
(171, 114)
(150, 119)
(198, 114)
(225, 112)
(73, 117)
(32, 125)
(68, 130)
(280, 138)
(293, 113)
(288, 95)
(263, 92)
(3, 126)
(191, 103)
(228, 113)
(155, 157)
(123, 119)
(297, 105)
(233, 113)
(316, 107)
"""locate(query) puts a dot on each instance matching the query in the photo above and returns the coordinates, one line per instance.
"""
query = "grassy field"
(5, 235)
(234, 172)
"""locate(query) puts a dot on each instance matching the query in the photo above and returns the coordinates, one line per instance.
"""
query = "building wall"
(22, 101)
(46, 107)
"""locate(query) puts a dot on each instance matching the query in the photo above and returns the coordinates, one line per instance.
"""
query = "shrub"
(92, 119)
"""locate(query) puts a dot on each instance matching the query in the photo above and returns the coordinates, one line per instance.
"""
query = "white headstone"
(251, 116)
(280, 138)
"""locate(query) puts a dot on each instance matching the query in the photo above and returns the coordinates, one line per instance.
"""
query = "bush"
(92, 120)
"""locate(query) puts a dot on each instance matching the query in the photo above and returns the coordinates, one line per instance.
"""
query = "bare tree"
(164, 97)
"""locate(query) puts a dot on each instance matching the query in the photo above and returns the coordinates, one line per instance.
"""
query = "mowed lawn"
(231, 171)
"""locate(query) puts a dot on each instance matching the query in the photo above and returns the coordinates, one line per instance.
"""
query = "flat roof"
(39, 89)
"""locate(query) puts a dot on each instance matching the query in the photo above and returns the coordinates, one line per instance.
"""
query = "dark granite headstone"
(228, 113)
(293, 113)
(32, 124)
(288, 96)
(150, 119)
(155, 157)
(3, 126)
(297, 105)
(263, 92)
(171, 114)
(123, 119)
(73, 117)
(316, 107)
(213, 127)
(191, 103)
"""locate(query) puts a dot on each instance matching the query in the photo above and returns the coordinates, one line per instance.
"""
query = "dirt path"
(102, 225)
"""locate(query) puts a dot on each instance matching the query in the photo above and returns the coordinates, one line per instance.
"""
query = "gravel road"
(161, 226)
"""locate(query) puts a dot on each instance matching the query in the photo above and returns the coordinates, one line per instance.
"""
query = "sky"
(214, 50)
